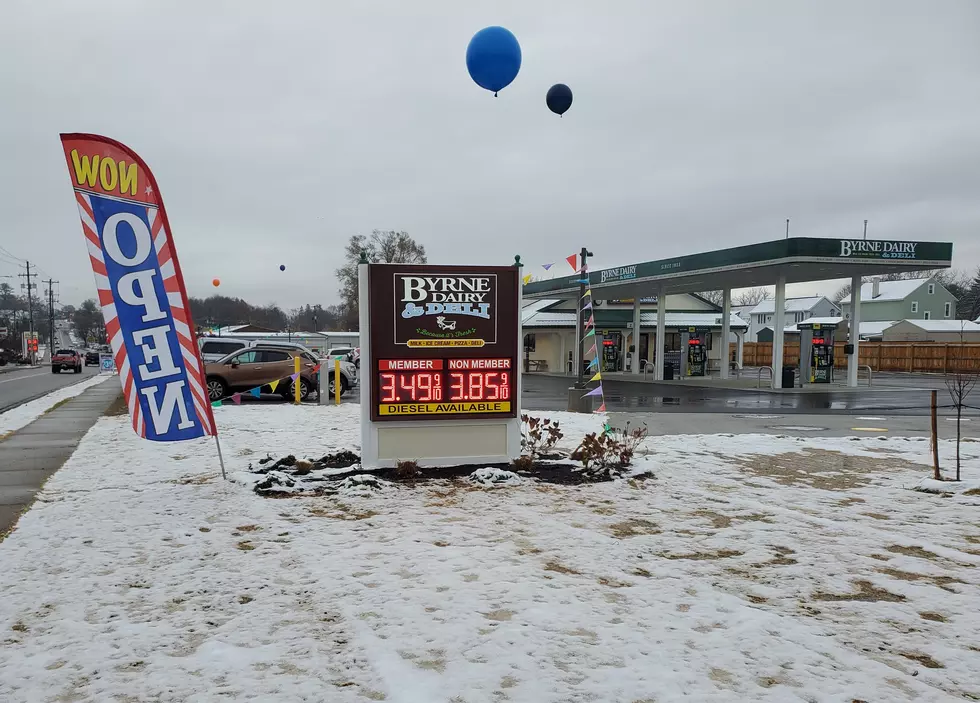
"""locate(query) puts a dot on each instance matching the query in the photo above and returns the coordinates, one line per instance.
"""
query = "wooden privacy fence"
(922, 357)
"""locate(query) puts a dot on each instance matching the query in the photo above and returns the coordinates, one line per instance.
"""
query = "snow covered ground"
(27, 413)
(755, 567)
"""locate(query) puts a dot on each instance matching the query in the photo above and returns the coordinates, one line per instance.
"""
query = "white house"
(797, 310)
(915, 298)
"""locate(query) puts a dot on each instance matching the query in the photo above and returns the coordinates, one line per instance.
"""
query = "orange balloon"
(216, 282)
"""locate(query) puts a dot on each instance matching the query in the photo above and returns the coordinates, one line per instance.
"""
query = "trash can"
(789, 377)
(668, 371)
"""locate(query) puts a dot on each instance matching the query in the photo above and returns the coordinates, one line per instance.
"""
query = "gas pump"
(612, 343)
(817, 351)
(697, 353)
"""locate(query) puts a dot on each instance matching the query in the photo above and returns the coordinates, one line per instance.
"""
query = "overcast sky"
(277, 130)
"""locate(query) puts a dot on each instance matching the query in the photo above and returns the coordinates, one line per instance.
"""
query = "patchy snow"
(753, 567)
(25, 414)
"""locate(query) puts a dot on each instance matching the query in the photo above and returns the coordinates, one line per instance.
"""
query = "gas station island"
(693, 334)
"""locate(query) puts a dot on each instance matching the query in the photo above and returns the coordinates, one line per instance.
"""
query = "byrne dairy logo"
(877, 249)
(620, 273)
(445, 310)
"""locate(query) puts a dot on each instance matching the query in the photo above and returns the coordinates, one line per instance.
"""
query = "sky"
(278, 130)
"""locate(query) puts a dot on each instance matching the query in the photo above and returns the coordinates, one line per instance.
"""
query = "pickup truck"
(66, 359)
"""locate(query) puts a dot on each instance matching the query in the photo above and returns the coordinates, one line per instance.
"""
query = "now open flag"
(141, 289)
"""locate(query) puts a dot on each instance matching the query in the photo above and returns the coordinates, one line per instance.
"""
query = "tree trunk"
(959, 414)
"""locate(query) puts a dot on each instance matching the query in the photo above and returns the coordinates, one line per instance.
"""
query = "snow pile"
(362, 485)
(23, 415)
(753, 568)
(929, 485)
(494, 478)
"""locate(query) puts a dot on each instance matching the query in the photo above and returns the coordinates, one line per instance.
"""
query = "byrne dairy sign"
(445, 311)
(862, 248)
(620, 273)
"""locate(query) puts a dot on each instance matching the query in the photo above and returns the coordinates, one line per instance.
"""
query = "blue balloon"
(282, 267)
(493, 58)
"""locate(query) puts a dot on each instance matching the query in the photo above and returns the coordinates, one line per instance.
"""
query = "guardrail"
(761, 369)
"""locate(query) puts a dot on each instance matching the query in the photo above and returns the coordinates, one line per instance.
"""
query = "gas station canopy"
(796, 259)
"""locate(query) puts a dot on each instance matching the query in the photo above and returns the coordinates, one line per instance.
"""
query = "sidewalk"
(33, 453)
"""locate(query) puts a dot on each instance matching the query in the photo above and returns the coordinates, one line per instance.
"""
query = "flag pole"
(220, 458)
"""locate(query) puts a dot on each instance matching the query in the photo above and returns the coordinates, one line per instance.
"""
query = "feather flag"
(595, 391)
(573, 261)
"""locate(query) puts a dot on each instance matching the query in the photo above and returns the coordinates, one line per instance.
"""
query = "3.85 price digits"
(413, 387)
(479, 385)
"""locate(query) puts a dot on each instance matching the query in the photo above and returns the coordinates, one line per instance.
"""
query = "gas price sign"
(443, 342)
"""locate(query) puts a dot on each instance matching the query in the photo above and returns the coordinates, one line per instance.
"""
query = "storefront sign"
(443, 341)
(621, 273)
(862, 248)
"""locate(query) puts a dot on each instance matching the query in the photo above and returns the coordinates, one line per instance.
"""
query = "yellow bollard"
(296, 362)
(336, 381)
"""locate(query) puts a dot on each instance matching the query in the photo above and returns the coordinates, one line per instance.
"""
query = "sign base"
(441, 443)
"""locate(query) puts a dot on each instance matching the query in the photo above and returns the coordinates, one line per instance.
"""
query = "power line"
(8, 253)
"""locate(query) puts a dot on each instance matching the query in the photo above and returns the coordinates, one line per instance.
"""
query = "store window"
(529, 343)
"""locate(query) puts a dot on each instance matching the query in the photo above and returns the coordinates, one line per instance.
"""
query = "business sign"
(620, 273)
(443, 341)
(629, 301)
(877, 249)
(106, 363)
(141, 289)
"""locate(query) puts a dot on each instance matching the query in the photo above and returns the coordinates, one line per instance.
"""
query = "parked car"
(92, 357)
(260, 365)
(215, 348)
(351, 354)
(66, 359)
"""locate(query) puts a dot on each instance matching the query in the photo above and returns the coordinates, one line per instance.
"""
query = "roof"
(888, 291)
(803, 304)
(604, 319)
(942, 325)
(793, 260)
(874, 329)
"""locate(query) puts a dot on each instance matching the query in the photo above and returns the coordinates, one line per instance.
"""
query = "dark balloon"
(559, 98)
(282, 267)
(493, 58)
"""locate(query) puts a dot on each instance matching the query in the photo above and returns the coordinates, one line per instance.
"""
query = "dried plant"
(538, 436)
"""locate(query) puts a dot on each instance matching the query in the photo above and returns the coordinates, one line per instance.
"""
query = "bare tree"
(960, 381)
(716, 297)
(842, 292)
(752, 296)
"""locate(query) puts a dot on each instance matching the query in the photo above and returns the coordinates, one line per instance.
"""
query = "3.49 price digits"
(412, 387)
(479, 385)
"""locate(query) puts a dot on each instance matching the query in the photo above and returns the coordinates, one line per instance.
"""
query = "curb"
(5, 408)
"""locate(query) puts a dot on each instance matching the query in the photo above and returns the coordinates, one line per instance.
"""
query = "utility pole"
(865, 229)
(30, 300)
(787, 228)
(51, 343)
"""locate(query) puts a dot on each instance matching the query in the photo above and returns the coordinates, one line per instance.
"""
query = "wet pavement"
(31, 454)
(551, 393)
(24, 384)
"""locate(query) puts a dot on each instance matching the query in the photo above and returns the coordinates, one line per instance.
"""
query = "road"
(22, 385)
(551, 393)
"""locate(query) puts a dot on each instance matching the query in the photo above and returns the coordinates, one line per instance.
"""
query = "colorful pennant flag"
(237, 398)
(590, 333)
(572, 261)
(606, 428)
(547, 266)
(526, 279)
(316, 369)
(587, 306)
(601, 408)
(594, 362)
(595, 391)
(590, 322)
(583, 280)
(595, 351)
(597, 377)
(293, 377)
(587, 294)
(256, 391)
(216, 404)
(273, 385)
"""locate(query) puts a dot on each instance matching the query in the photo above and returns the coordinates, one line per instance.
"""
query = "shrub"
(538, 436)
(598, 451)
(406, 470)
(523, 463)
(629, 441)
